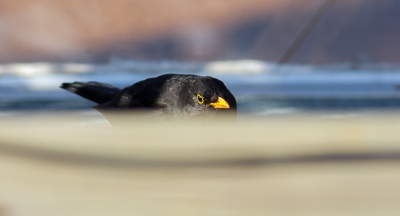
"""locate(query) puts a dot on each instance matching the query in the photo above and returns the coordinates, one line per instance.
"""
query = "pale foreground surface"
(292, 165)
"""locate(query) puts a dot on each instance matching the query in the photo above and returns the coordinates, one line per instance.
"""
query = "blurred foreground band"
(292, 165)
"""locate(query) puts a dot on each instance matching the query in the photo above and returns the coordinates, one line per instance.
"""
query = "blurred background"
(317, 84)
(96, 31)
(276, 56)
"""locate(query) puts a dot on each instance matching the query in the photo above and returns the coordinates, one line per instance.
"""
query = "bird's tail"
(94, 91)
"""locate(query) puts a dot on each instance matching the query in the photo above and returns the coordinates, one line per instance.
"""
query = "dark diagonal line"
(306, 31)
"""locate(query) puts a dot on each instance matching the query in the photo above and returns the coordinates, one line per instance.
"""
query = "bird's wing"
(143, 94)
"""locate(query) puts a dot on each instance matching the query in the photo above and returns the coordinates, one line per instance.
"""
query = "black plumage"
(171, 95)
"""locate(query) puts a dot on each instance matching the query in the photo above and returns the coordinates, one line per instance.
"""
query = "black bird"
(169, 96)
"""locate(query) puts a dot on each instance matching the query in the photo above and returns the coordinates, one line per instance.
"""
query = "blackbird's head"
(206, 95)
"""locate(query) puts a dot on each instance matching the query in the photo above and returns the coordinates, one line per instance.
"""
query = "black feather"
(94, 91)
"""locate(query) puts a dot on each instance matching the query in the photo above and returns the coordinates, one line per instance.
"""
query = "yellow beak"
(220, 104)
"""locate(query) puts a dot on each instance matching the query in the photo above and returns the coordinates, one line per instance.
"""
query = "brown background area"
(197, 30)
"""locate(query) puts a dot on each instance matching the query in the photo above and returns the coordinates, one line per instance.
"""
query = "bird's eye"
(200, 99)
